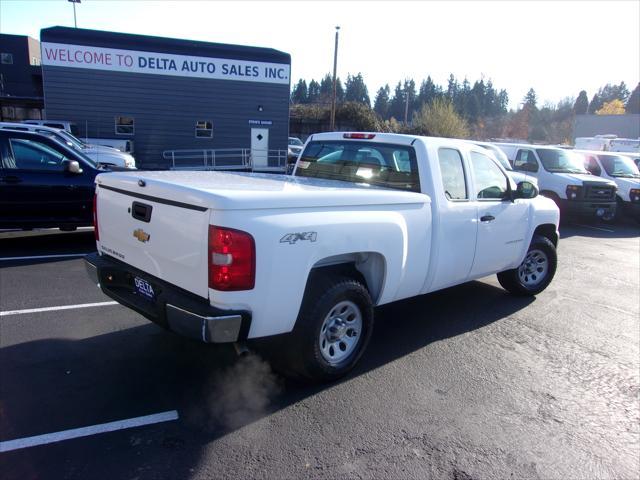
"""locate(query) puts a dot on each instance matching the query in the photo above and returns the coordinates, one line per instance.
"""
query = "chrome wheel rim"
(533, 270)
(340, 332)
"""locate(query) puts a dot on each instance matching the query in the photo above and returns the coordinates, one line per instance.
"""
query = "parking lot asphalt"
(465, 383)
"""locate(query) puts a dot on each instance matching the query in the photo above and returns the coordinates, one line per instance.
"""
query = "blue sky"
(556, 47)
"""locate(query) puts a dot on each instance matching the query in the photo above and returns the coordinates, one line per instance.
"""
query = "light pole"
(333, 98)
(75, 22)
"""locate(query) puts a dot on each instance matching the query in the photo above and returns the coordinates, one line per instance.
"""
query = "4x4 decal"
(292, 238)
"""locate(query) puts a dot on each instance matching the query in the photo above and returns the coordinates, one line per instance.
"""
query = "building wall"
(165, 107)
(23, 77)
(624, 126)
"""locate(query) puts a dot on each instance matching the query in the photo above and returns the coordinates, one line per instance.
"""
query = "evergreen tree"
(300, 92)
(428, 92)
(596, 104)
(339, 91)
(356, 90)
(410, 91)
(326, 89)
(396, 106)
(313, 94)
(633, 103)
(609, 92)
(531, 99)
(381, 103)
(582, 103)
(452, 88)
(503, 101)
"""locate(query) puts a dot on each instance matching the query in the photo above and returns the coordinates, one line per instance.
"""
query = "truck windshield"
(561, 161)
(381, 164)
(619, 166)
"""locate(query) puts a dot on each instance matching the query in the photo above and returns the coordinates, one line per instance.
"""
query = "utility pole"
(75, 22)
(333, 99)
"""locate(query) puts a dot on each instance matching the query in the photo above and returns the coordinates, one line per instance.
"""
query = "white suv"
(98, 153)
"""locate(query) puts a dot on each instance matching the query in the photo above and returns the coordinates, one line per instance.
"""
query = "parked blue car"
(44, 183)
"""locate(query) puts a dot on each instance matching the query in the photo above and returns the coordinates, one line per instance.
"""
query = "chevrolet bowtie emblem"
(141, 235)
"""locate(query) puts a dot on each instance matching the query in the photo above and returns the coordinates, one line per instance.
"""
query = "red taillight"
(361, 136)
(232, 259)
(95, 217)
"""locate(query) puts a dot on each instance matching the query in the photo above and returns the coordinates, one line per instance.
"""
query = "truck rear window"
(381, 164)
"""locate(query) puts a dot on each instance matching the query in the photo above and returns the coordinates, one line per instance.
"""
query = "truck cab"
(620, 169)
(562, 177)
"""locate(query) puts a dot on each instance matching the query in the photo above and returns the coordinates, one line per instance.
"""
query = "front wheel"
(535, 272)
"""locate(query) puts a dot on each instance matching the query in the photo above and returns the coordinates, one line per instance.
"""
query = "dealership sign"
(98, 58)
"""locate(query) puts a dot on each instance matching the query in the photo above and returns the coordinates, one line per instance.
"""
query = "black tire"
(299, 355)
(526, 280)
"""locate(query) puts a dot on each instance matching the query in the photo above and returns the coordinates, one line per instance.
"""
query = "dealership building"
(180, 103)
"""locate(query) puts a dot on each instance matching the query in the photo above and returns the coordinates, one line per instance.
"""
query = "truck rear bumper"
(171, 307)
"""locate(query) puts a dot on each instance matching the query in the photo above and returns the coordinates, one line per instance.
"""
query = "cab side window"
(592, 166)
(491, 183)
(452, 171)
(29, 154)
(525, 161)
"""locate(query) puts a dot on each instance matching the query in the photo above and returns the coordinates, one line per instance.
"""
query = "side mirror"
(71, 166)
(526, 190)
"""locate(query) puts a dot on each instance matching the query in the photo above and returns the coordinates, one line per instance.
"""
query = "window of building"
(6, 58)
(452, 171)
(491, 183)
(204, 129)
(124, 126)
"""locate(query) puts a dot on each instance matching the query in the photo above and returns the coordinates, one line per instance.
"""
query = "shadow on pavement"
(54, 384)
(43, 243)
(620, 229)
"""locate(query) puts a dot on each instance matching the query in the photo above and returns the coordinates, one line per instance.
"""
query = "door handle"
(11, 179)
(487, 218)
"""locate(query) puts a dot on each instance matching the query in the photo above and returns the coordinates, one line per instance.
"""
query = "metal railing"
(225, 159)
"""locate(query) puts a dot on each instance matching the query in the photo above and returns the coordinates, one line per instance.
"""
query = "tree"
(381, 103)
(633, 103)
(326, 89)
(596, 103)
(396, 105)
(299, 94)
(313, 94)
(428, 92)
(356, 90)
(614, 107)
(440, 119)
(357, 116)
(531, 99)
(613, 92)
(581, 106)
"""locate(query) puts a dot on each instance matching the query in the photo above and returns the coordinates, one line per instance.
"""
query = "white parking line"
(595, 228)
(87, 431)
(39, 257)
(53, 309)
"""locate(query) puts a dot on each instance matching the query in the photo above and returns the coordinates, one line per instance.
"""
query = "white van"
(97, 153)
(623, 171)
(562, 177)
(70, 127)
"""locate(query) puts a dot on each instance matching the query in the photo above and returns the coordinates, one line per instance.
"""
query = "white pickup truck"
(365, 219)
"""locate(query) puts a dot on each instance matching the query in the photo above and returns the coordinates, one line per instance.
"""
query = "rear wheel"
(332, 330)
(535, 272)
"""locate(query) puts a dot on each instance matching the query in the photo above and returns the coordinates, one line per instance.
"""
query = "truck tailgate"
(156, 229)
